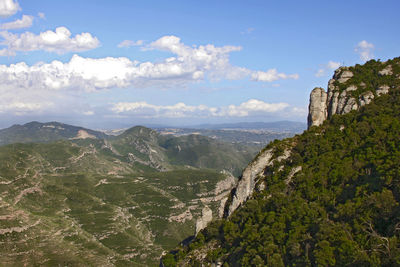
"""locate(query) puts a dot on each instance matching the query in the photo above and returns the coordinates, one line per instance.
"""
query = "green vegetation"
(367, 78)
(341, 209)
(96, 202)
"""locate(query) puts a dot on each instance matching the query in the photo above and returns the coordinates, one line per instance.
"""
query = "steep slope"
(328, 197)
(36, 132)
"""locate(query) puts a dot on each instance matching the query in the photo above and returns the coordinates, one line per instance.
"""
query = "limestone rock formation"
(344, 95)
(366, 98)
(204, 220)
(317, 108)
(246, 184)
(387, 71)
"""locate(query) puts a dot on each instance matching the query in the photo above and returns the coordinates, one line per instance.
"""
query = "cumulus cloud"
(8, 8)
(252, 107)
(271, 75)
(79, 72)
(129, 43)
(25, 22)
(365, 50)
(189, 64)
(59, 41)
(331, 65)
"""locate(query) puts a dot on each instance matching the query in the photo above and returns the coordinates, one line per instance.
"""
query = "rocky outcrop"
(317, 108)
(387, 71)
(246, 184)
(204, 220)
(366, 98)
(343, 95)
(346, 92)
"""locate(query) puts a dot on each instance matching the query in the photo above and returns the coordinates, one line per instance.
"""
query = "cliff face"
(347, 91)
(250, 177)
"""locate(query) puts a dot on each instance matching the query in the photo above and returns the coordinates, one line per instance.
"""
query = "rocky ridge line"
(323, 105)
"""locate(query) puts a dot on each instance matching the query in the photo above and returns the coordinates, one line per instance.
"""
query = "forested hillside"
(333, 201)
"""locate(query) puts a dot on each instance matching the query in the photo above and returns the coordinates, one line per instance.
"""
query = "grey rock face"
(366, 98)
(387, 71)
(351, 104)
(342, 74)
(341, 102)
(317, 108)
(351, 88)
(206, 218)
(333, 102)
(384, 89)
(246, 184)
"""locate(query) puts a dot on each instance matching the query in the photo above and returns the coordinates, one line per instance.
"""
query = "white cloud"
(59, 41)
(331, 65)
(8, 8)
(189, 64)
(271, 75)
(129, 43)
(252, 107)
(41, 15)
(25, 22)
(365, 50)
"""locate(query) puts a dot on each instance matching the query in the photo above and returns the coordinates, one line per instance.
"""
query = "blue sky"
(110, 64)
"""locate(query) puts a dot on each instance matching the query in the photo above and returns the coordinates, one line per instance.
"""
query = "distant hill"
(36, 132)
(278, 126)
(158, 151)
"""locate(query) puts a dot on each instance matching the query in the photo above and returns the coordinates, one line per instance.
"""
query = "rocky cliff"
(348, 91)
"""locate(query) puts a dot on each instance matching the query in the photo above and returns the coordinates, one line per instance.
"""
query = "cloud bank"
(252, 107)
(189, 64)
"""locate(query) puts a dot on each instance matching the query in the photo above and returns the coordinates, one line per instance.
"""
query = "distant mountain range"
(277, 126)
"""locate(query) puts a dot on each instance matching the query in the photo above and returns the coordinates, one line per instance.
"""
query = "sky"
(114, 64)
